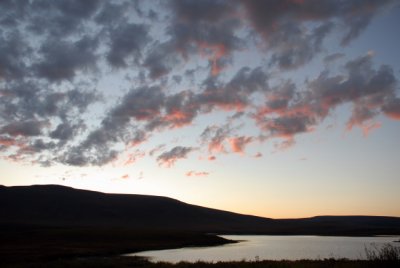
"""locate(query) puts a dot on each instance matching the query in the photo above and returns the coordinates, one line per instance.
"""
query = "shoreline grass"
(125, 262)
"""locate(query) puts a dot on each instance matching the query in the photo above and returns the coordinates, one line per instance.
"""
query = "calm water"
(273, 248)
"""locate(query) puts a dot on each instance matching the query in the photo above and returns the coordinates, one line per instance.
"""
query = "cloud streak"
(169, 158)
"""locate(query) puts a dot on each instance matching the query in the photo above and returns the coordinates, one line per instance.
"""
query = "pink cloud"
(366, 127)
(214, 52)
(134, 157)
(197, 173)
(284, 145)
(258, 155)
(238, 144)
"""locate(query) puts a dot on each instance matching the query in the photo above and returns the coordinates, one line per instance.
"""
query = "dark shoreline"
(105, 247)
(125, 262)
(22, 246)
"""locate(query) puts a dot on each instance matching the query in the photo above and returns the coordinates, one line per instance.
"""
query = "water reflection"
(259, 247)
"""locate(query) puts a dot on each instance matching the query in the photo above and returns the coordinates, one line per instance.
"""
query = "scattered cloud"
(212, 158)
(238, 144)
(169, 66)
(169, 158)
(258, 155)
(193, 173)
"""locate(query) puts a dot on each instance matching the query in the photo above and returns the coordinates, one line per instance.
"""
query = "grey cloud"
(65, 131)
(280, 96)
(40, 145)
(215, 137)
(282, 25)
(368, 89)
(60, 19)
(12, 11)
(111, 14)
(294, 46)
(77, 8)
(80, 99)
(234, 95)
(205, 27)
(142, 103)
(361, 81)
(286, 126)
(77, 157)
(333, 57)
(161, 60)
(139, 104)
(248, 81)
(127, 41)
(170, 157)
(392, 108)
(180, 108)
(52, 54)
(24, 128)
(13, 50)
(26, 100)
(62, 60)
(358, 23)
(206, 10)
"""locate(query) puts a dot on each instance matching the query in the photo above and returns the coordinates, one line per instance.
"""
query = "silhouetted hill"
(52, 205)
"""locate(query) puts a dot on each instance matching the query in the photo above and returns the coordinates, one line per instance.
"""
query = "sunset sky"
(279, 108)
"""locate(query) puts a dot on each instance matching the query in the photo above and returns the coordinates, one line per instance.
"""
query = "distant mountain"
(53, 205)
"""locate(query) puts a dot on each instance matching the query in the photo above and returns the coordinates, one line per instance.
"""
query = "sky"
(275, 108)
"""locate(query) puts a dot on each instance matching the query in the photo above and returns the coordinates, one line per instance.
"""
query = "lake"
(263, 247)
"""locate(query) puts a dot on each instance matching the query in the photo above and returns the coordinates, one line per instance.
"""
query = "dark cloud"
(294, 46)
(367, 89)
(286, 126)
(180, 109)
(157, 149)
(65, 131)
(141, 104)
(112, 14)
(40, 145)
(62, 60)
(278, 98)
(54, 56)
(215, 137)
(206, 28)
(60, 18)
(333, 57)
(206, 10)
(24, 128)
(282, 25)
(161, 60)
(392, 108)
(169, 158)
(235, 94)
(127, 42)
(13, 53)
(362, 85)
(26, 101)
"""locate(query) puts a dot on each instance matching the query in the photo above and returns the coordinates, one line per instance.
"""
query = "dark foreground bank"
(125, 262)
(37, 245)
(57, 226)
(33, 247)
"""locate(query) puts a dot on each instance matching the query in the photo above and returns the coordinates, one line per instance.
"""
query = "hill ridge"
(56, 205)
